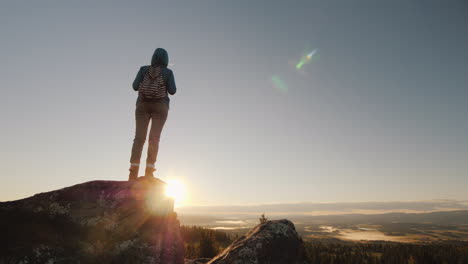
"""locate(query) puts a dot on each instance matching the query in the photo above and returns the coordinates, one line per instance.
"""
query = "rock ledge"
(93, 222)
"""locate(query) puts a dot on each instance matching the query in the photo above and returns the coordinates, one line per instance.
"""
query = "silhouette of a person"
(151, 108)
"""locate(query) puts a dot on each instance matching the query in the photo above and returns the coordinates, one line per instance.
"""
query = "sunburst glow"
(176, 190)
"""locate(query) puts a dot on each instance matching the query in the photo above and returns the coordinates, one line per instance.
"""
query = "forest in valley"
(386, 253)
(206, 243)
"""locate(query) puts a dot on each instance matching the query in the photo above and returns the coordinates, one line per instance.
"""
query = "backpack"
(152, 86)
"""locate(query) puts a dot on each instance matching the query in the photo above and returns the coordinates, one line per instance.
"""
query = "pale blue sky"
(379, 115)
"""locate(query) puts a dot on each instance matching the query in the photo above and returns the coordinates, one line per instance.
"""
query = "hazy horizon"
(378, 113)
(317, 209)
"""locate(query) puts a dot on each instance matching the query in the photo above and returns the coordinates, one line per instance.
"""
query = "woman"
(153, 83)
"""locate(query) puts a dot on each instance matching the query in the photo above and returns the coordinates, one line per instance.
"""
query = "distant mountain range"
(458, 217)
(434, 212)
(329, 208)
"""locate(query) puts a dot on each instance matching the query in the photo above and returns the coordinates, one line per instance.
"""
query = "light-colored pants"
(146, 111)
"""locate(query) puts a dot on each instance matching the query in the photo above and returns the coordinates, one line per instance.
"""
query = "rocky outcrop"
(123, 222)
(93, 222)
(273, 242)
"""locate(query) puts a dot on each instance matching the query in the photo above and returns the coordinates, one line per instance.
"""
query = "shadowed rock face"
(197, 261)
(93, 222)
(274, 242)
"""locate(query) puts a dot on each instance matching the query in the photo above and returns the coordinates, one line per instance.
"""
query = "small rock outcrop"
(273, 242)
(93, 222)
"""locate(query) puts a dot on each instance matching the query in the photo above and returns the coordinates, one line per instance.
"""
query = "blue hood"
(160, 57)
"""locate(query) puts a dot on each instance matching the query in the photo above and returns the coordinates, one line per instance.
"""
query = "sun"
(176, 190)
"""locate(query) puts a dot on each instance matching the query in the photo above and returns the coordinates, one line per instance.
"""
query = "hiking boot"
(133, 173)
(149, 172)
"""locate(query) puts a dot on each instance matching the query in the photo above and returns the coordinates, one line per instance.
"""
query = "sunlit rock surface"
(93, 222)
(274, 242)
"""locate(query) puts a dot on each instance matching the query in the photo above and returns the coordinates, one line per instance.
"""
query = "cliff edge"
(93, 222)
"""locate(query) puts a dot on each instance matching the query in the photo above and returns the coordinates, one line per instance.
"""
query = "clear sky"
(379, 113)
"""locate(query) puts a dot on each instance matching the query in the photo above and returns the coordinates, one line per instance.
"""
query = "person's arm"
(138, 79)
(171, 86)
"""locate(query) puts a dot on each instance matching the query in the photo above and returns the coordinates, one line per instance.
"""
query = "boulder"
(273, 242)
(93, 222)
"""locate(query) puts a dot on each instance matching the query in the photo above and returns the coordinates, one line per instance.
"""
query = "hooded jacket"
(160, 58)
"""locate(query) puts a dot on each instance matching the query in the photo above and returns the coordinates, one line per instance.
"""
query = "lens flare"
(279, 84)
(306, 59)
